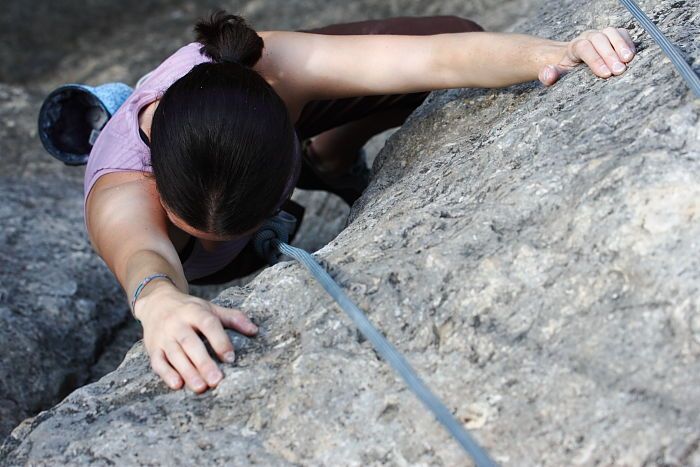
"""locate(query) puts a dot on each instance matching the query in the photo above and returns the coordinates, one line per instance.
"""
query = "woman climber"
(214, 140)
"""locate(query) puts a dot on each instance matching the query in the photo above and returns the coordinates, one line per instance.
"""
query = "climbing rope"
(671, 51)
(267, 244)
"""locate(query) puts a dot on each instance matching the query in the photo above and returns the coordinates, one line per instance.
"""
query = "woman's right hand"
(171, 319)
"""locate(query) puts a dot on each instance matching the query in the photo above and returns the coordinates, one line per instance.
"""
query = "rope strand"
(690, 77)
(390, 354)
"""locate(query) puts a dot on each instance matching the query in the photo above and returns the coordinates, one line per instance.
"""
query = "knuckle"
(582, 44)
(234, 317)
(200, 361)
(211, 322)
(172, 353)
(184, 339)
(173, 332)
(238, 315)
(168, 346)
(599, 36)
(191, 307)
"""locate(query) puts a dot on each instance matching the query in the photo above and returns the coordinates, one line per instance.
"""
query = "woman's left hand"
(606, 52)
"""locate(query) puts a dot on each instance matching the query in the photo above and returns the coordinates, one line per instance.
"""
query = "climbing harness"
(270, 243)
(671, 50)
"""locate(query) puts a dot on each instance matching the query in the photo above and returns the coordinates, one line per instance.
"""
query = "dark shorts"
(322, 115)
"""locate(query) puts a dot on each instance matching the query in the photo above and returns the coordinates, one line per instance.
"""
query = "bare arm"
(129, 232)
(128, 229)
(318, 66)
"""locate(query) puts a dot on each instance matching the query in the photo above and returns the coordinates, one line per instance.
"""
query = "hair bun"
(228, 38)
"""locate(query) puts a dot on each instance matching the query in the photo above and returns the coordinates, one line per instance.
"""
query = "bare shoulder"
(122, 202)
(274, 67)
(133, 188)
(118, 194)
(118, 178)
(111, 184)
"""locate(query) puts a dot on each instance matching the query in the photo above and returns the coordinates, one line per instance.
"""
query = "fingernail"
(229, 357)
(173, 382)
(253, 328)
(547, 74)
(214, 377)
(198, 383)
(605, 70)
(618, 67)
(626, 54)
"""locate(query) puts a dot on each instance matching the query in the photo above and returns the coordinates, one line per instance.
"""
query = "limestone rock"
(535, 254)
(46, 263)
(58, 305)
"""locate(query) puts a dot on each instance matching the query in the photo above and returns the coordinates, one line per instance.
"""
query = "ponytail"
(224, 150)
(228, 38)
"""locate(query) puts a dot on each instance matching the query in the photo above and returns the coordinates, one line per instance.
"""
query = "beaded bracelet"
(143, 284)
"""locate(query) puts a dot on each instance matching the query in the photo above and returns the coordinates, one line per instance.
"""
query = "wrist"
(153, 288)
(546, 53)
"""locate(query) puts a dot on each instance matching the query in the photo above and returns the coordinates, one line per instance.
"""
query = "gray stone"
(48, 268)
(34, 38)
(534, 253)
(58, 305)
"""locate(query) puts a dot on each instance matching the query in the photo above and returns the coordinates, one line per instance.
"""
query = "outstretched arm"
(128, 228)
(318, 66)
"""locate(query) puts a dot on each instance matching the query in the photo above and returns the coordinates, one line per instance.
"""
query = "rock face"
(535, 254)
(58, 304)
(65, 318)
(33, 40)
(53, 323)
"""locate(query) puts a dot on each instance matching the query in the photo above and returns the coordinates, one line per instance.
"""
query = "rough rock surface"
(55, 305)
(65, 318)
(58, 305)
(533, 252)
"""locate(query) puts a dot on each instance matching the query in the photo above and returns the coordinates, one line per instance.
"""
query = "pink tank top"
(119, 148)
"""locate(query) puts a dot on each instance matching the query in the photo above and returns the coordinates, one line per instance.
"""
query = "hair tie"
(228, 59)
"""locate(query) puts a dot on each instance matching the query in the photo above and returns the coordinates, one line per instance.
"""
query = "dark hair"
(223, 147)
